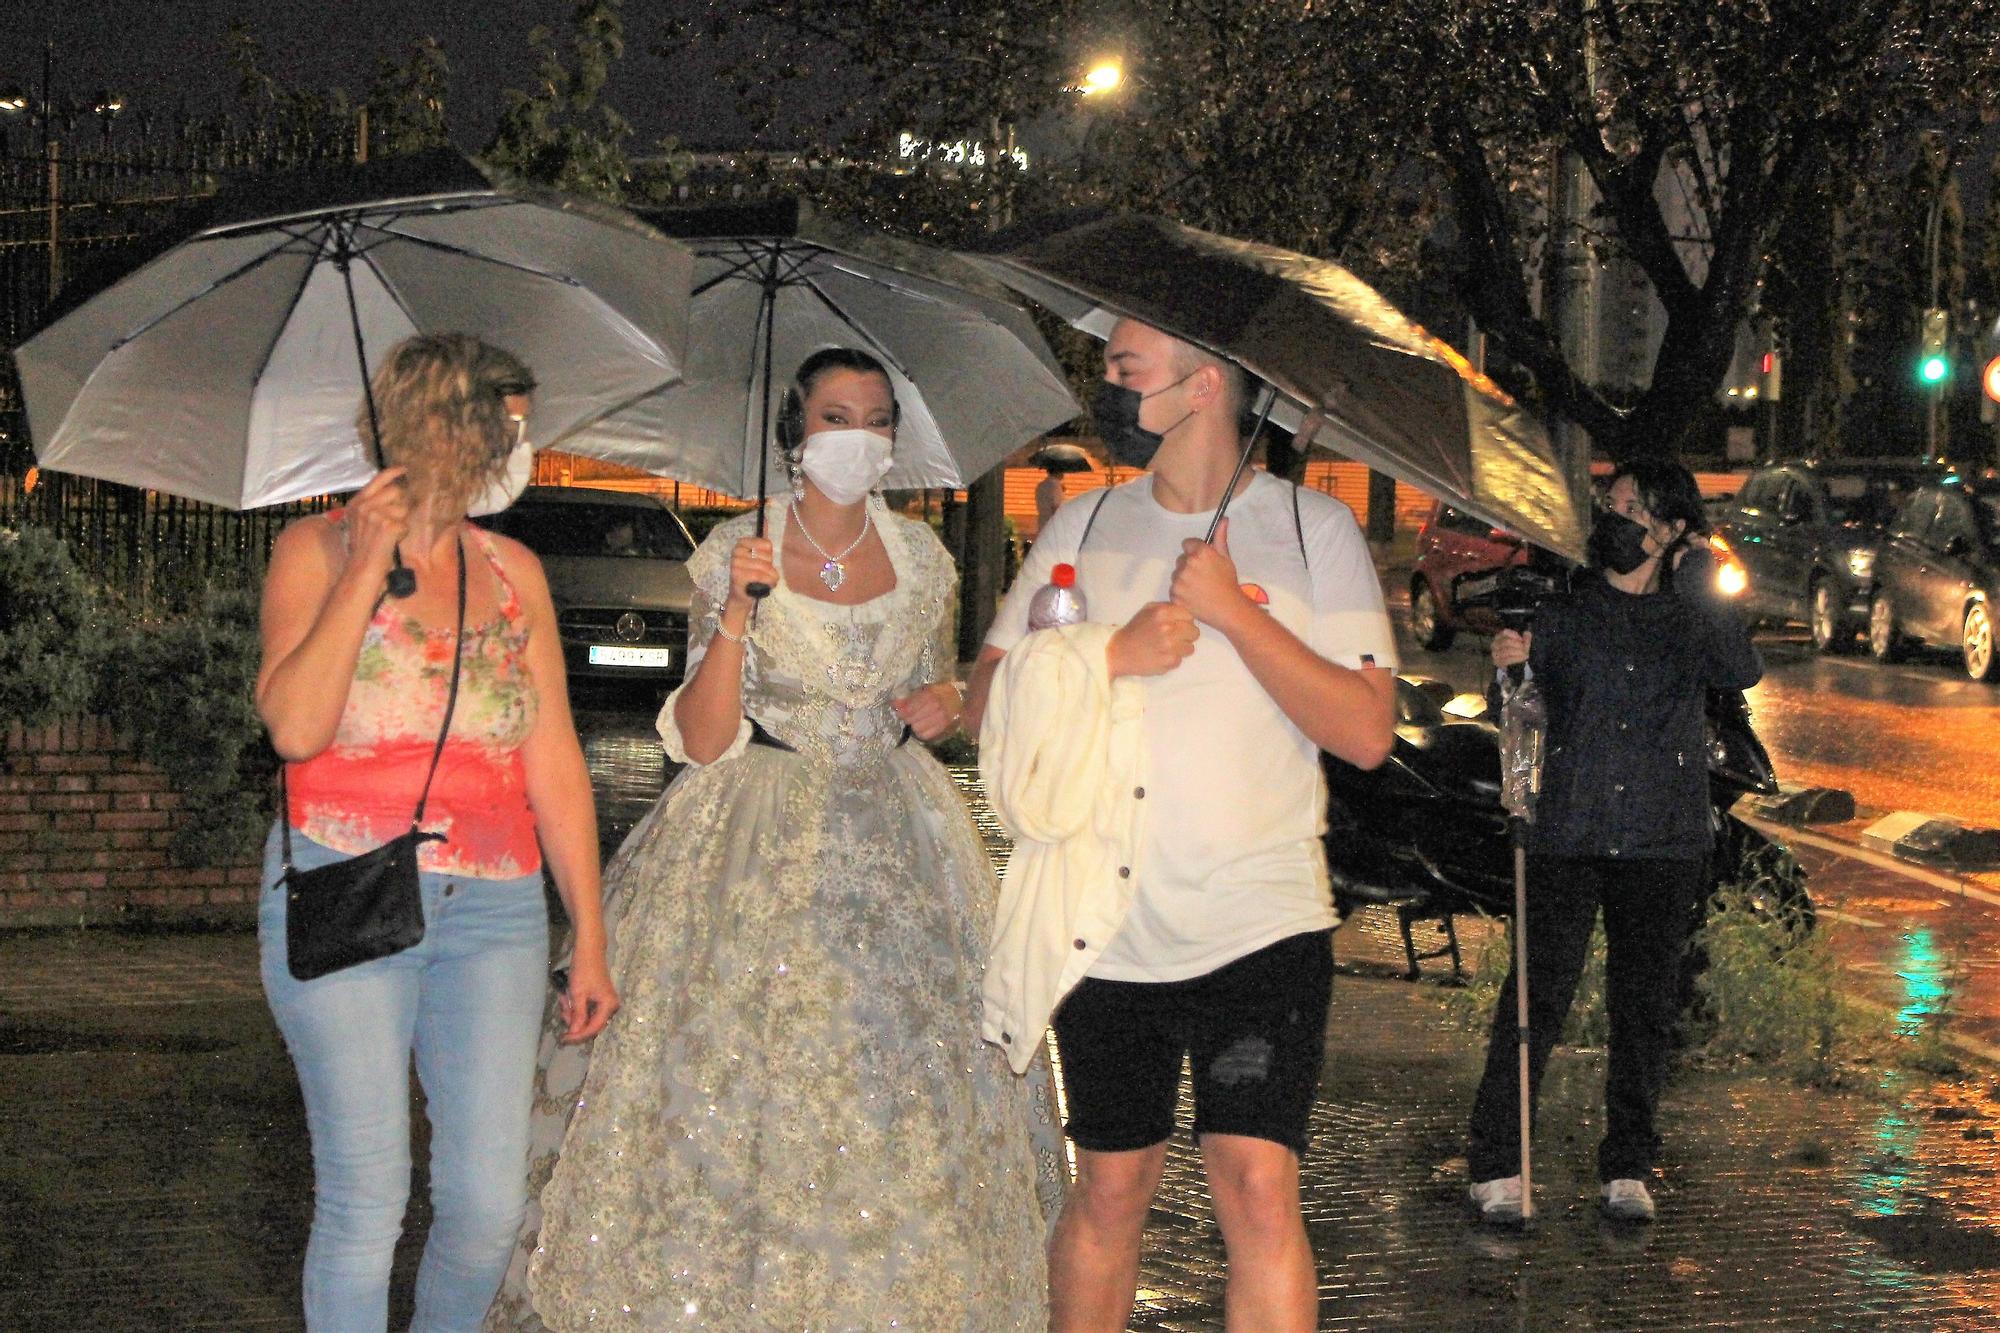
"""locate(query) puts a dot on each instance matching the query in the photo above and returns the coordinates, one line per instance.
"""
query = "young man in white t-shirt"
(1256, 652)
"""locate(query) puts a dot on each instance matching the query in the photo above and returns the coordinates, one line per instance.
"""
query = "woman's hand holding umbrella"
(379, 518)
(750, 568)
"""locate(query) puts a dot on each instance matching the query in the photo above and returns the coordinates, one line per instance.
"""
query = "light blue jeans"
(467, 1000)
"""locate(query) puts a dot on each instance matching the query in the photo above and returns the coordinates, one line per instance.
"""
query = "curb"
(1934, 840)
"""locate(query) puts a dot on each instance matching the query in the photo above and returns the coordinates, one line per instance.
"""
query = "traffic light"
(1934, 361)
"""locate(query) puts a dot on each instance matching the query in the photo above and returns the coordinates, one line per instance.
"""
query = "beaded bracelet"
(733, 638)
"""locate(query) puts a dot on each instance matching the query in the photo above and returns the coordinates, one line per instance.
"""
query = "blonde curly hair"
(441, 401)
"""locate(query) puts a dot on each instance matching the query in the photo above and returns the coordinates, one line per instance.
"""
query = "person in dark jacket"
(1624, 662)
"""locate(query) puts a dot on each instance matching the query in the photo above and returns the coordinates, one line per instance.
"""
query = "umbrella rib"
(842, 316)
(278, 331)
(355, 213)
(739, 262)
(214, 286)
(389, 287)
(463, 253)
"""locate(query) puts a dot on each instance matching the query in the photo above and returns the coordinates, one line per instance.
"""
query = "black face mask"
(1618, 543)
(1114, 410)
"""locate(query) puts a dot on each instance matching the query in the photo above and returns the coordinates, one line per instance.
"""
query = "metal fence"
(73, 217)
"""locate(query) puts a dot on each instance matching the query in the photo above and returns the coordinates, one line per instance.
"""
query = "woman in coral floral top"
(354, 687)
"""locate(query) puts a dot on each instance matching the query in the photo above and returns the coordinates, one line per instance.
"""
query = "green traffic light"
(1932, 369)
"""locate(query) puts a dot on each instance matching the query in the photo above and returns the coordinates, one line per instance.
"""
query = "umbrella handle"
(402, 580)
(758, 590)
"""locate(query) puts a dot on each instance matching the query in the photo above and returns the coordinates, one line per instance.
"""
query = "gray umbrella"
(1341, 358)
(973, 378)
(229, 368)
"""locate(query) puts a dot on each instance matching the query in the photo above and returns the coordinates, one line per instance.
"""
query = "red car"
(1450, 544)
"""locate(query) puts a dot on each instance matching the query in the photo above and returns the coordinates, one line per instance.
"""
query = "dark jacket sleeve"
(1723, 652)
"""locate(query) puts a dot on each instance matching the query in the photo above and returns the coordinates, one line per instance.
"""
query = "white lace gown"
(792, 1122)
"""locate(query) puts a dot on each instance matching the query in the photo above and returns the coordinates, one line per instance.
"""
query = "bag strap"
(437, 751)
(1076, 561)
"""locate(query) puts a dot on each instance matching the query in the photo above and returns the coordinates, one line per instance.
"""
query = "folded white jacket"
(1062, 752)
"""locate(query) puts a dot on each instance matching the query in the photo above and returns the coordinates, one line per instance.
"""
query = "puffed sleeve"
(708, 567)
(939, 659)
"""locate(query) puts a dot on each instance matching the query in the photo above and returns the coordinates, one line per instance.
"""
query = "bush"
(1471, 1006)
(184, 689)
(1769, 993)
(51, 629)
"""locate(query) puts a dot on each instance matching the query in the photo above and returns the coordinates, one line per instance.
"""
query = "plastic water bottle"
(1059, 602)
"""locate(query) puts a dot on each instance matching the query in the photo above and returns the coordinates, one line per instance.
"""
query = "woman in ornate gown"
(793, 1123)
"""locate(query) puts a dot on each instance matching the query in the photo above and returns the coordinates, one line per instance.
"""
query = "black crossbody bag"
(368, 906)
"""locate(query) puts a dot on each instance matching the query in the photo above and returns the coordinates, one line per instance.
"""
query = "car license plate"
(603, 654)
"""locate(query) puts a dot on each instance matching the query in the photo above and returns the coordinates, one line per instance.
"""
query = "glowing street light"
(1104, 77)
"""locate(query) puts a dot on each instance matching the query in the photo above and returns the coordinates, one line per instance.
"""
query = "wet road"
(1914, 735)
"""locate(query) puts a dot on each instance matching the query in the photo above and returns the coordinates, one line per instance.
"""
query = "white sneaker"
(1497, 1200)
(1627, 1201)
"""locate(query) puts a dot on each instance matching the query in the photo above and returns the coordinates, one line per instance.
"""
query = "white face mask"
(845, 464)
(506, 488)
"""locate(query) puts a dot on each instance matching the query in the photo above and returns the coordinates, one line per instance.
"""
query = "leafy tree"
(1201, 131)
(406, 101)
(309, 117)
(561, 134)
(1739, 108)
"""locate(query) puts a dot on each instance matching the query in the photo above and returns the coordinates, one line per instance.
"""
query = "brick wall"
(85, 827)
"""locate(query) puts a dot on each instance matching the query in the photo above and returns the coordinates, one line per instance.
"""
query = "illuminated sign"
(963, 153)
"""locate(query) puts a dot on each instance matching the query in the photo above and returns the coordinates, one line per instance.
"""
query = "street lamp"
(13, 105)
(1104, 77)
(106, 108)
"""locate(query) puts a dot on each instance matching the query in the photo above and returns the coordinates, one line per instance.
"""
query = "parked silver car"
(617, 567)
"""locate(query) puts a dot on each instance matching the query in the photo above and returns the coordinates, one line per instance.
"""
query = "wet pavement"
(154, 1174)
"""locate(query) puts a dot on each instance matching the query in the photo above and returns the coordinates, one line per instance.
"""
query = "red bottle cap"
(1063, 576)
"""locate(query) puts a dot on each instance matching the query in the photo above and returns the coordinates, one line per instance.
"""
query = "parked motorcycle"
(1425, 835)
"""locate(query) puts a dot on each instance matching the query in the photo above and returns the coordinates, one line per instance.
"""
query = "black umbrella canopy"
(1381, 388)
(1060, 458)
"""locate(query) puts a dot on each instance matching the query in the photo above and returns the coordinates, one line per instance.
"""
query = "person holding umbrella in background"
(1217, 671)
(1621, 822)
(362, 693)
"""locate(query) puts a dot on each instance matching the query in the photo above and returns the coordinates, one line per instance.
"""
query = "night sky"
(164, 53)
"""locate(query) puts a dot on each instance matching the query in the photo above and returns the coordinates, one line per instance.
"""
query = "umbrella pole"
(1242, 462)
(402, 579)
(763, 590)
(1521, 1014)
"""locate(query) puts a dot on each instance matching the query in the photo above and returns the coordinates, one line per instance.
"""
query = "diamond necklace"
(833, 573)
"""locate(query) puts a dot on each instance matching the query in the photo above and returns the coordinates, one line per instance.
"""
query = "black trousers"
(1646, 907)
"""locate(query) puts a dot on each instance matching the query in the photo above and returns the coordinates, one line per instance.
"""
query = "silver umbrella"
(230, 367)
(972, 377)
(1340, 358)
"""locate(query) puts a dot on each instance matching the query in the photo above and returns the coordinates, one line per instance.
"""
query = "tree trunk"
(983, 560)
(1381, 506)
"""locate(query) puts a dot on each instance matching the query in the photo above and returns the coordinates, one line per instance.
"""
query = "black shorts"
(1254, 1031)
